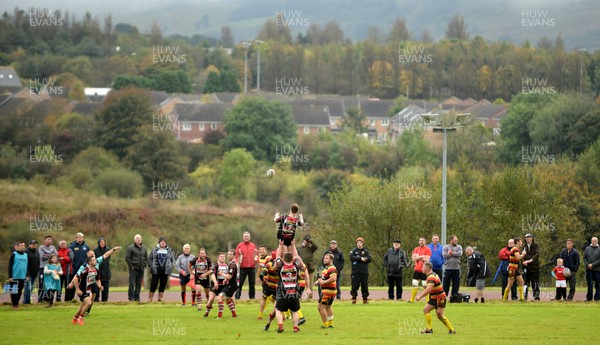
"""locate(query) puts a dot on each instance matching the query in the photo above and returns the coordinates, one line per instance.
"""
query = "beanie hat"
(360, 239)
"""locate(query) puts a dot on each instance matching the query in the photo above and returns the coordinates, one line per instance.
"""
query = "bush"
(121, 183)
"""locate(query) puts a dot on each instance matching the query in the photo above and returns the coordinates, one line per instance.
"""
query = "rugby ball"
(567, 272)
(270, 173)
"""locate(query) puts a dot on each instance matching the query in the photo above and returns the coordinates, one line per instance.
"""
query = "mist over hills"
(495, 20)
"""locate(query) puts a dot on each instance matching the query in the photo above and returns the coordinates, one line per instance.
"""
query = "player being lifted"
(224, 277)
(200, 267)
(437, 299)
(287, 226)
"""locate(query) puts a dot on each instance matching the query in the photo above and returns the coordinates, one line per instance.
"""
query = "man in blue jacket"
(437, 259)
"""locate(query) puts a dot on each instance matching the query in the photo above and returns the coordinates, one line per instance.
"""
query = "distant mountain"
(495, 20)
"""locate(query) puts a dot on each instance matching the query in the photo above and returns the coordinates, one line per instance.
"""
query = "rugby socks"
(231, 306)
(287, 314)
(330, 321)
(183, 295)
(300, 315)
(280, 327)
(413, 293)
(296, 329)
(271, 317)
(428, 320)
(446, 323)
(221, 307)
(521, 297)
(260, 315)
(196, 298)
(505, 295)
(208, 309)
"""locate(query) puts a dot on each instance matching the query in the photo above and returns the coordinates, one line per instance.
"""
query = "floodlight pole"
(444, 183)
(246, 45)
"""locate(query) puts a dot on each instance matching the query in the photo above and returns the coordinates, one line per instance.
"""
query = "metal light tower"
(258, 42)
(445, 121)
(246, 45)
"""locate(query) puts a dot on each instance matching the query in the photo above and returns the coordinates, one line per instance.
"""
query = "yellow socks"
(505, 295)
(447, 323)
(413, 293)
(428, 320)
(521, 297)
(300, 315)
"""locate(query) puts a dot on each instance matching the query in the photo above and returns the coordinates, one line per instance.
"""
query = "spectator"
(247, 265)
(504, 256)
(360, 258)
(437, 259)
(52, 273)
(46, 251)
(420, 256)
(571, 261)
(136, 257)
(65, 257)
(33, 261)
(306, 252)
(561, 280)
(531, 266)
(104, 269)
(478, 271)
(338, 262)
(161, 262)
(394, 262)
(591, 260)
(80, 249)
(452, 253)
(18, 271)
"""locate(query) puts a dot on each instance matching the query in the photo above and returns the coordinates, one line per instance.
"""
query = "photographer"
(306, 252)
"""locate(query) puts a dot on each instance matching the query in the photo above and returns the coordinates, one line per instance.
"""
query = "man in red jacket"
(247, 264)
(65, 257)
(504, 255)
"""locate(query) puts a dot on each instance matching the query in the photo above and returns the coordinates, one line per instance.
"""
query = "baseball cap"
(307, 238)
(397, 241)
(79, 234)
(528, 235)
(33, 242)
(333, 241)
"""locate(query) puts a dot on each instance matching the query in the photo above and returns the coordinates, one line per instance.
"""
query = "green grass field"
(380, 322)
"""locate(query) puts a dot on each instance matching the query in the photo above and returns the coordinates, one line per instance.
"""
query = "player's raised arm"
(111, 252)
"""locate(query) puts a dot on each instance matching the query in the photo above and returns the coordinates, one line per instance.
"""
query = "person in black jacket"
(136, 257)
(477, 272)
(360, 259)
(33, 261)
(571, 261)
(394, 262)
(531, 266)
(104, 270)
(338, 262)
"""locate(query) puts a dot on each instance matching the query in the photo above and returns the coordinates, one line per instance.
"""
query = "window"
(201, 126)
(213, 126)
(385, 121)
(371, 122)
(187, 126)
(381, 137)
(306, 129)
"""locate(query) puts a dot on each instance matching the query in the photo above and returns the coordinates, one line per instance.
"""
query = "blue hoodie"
(436, 259)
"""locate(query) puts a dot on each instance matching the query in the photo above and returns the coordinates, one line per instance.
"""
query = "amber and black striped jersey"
(437, 292)
(330, 288)
(513, 261)
(272, 275)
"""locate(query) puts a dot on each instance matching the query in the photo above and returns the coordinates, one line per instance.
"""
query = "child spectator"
(561, 280)
(52, 273)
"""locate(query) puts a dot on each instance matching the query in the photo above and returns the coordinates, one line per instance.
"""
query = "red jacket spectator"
(249, 253)
(65, 257)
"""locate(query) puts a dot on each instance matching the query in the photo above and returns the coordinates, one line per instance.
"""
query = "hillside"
(32, 211)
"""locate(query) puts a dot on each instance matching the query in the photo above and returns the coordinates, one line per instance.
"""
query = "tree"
(171, 81)
(457, 29)
(260, 126)
(227, 37)
(157, 157)
(399, 31)
(237, 165)
(354, 120)
(121, 119)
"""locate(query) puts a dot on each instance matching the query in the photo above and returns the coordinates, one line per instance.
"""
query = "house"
(96, 94)
(487, 113)
(192, 121)
(409, 117)
(310, 118)
(84, 108)
(377, 118)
